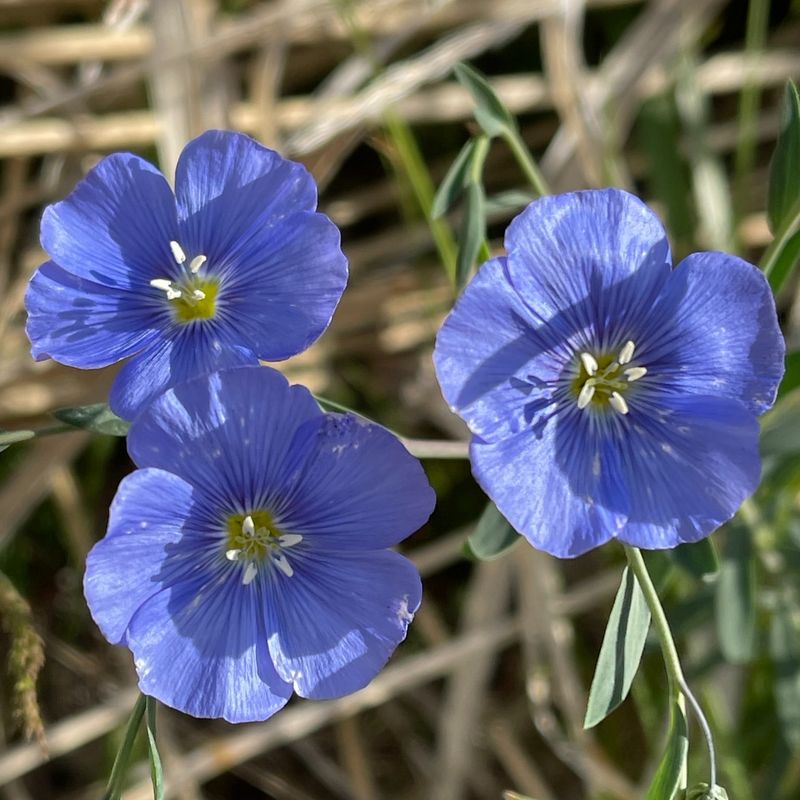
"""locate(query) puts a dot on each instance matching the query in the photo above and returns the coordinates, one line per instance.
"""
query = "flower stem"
(677, 682)
(120, 768)
(526, 162)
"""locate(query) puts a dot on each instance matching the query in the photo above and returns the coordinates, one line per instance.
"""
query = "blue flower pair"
(247, 558)
(609, 396)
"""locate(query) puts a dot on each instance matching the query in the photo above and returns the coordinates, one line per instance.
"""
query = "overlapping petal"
(335, 623)
(352, 486)
(85, 324)
(717, 332)
(116, 226)
(493, 360)
(201, 647)
(228, 434)
(589, 264)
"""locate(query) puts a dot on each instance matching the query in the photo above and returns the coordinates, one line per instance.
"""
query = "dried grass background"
(489, 691)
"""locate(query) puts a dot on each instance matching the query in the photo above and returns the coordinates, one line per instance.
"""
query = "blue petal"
(152, 537)
(589, 263)
(715, 332)
(227, 434)
(230, 189)
(494, 359)
(116, 225)
(281, 284)
(353, 486)
(85, 324)
(200, 647)
(188, 351)
(687, 468)
(333, 625)
(553, 485)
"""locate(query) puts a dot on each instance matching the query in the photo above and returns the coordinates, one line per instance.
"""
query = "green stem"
(786, 231)
(672, 662)
(526, 162)
(120, 768)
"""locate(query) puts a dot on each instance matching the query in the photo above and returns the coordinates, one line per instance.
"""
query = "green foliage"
(473, 233)
(97, 418)
(784, 169)
(703, 792)
(621, 651)
(735, 597)
(669, 776)
(7, 438)
(156, 771)
(490, 112)
(699, 559)
(492, 537)
(784, 648)
(456, 180)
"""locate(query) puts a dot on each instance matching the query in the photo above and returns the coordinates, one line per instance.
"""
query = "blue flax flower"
(247, 557)
(608, 394)
(234, 267)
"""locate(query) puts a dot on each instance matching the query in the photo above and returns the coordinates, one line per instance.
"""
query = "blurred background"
(677, 100)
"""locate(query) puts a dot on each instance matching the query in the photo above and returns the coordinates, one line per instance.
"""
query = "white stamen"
(282, 563)
(634, 373)
(289, 539)
(166, 286)
(617, 402)
(233, 555)
(196, 263)
(248, 527)
(250, 572)
(626, 354)
(589, 363)
(197, 294)
(177, 252)
(586, 394)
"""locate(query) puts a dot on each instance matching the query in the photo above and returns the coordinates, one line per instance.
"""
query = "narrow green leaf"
(784, 647)
(512, 200)
(7, 438)
(490, 112)
(332, 405)
(784, 168)
(786, 262)
(119, 770)
(735, 597)
(699, 559)
(621, 651)
(492, 536)
(473, 234)
(98, 418)
(791, 377)
(156, 771)
(667, 781)
(455, 182)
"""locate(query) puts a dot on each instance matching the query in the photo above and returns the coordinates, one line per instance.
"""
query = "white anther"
(289, 539)
(177, 252)
(233, 555)
(634, 373)
(586, 394)
(248, 527)
(197, 294)
(282, 563)
(196, 263)
(589, 363)
(626, 354)
(166, 286)
(250, 572)
(618, 403)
